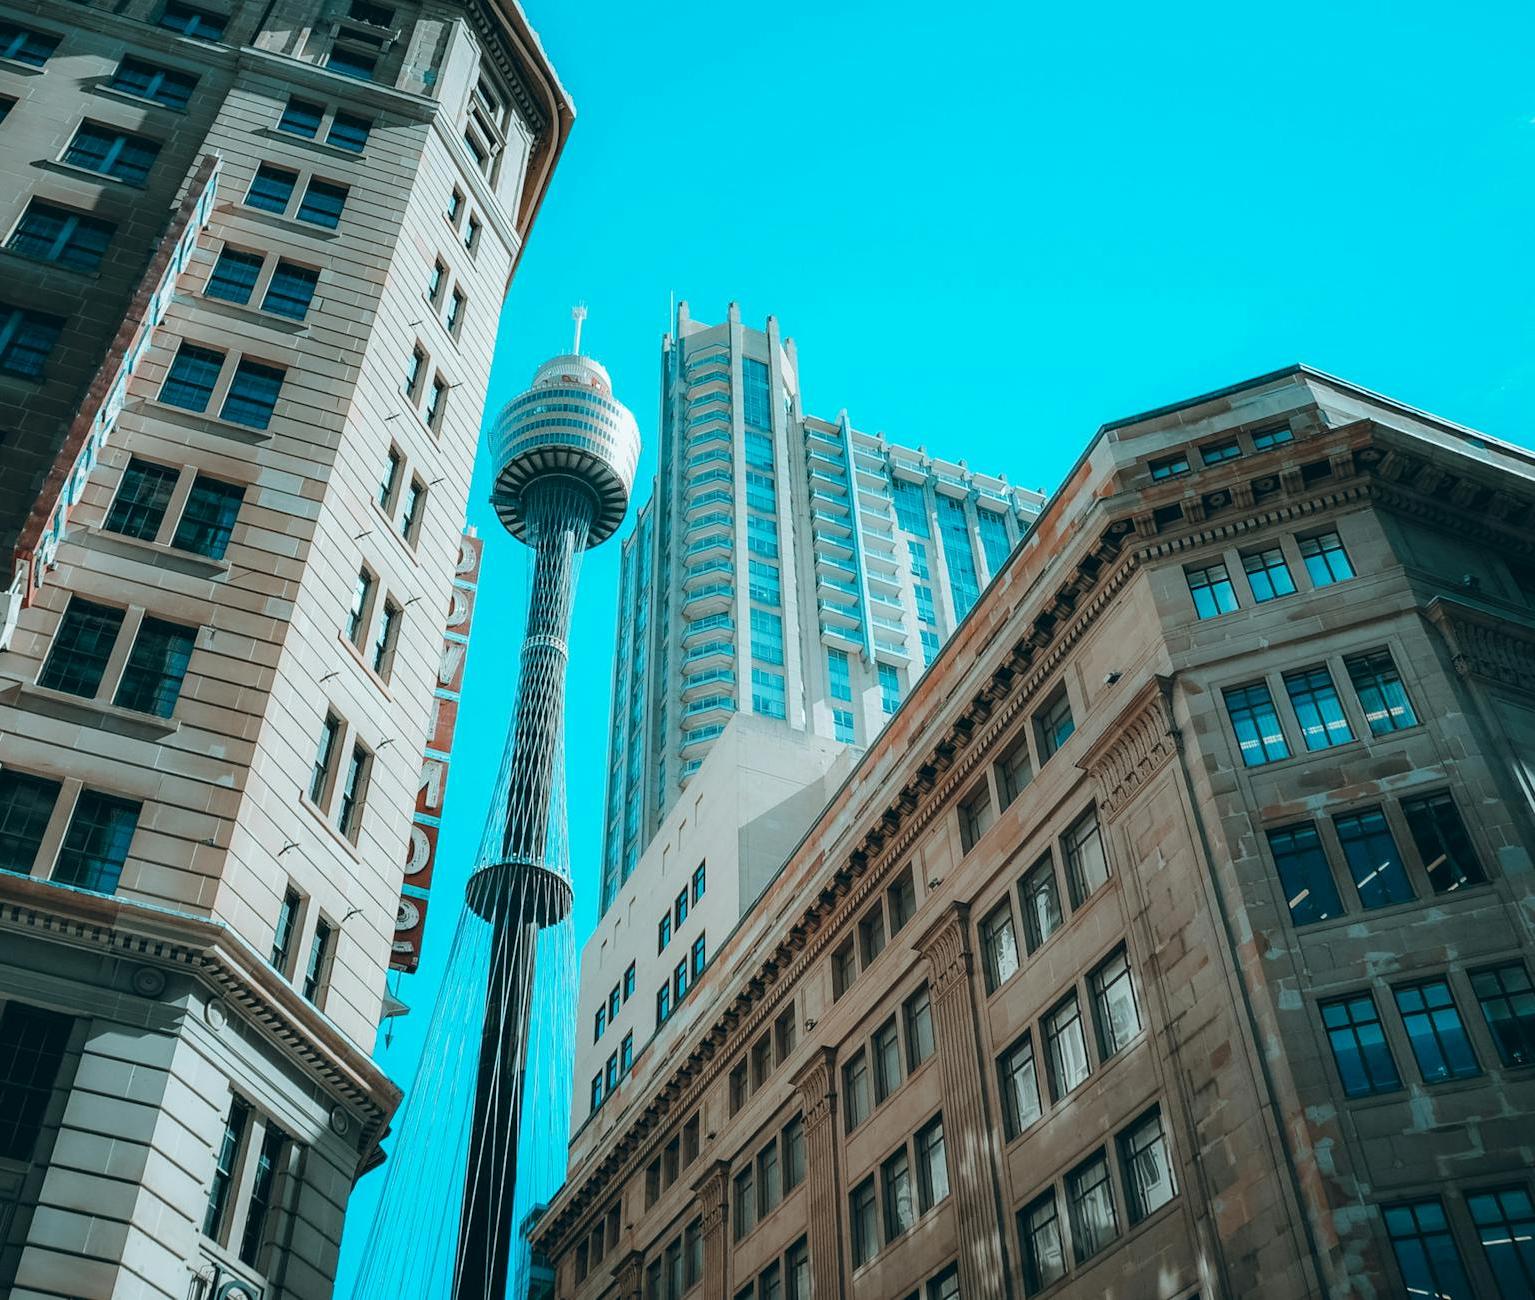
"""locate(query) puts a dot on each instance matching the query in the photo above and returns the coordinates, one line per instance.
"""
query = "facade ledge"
(244, 312)
(100, 87)
(315, 811)
(367, 669)
(389, 528)
(164, 557)
(209, 424)
(76, 173)
(89, 713)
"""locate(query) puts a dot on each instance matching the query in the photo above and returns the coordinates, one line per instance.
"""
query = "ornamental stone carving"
(946, 945)
(1134, 748)
(1483, 645)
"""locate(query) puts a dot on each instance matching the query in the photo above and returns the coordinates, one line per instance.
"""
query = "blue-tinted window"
(234, 275)
(52, 234)
(291, 290)
(762, 536)
(152, 677)
(1370, 850)
(192, 377)
(1436, 1032)
(963, 580)
(1442, 842)
(1359, 1046)
(1304, 873)
(838, 676)
(842, 725)
(139, 507)
(889, 688)
(25, 45)
(96, 844)
(767, 693)
(253, 394)
(994, 540)
(349, 132)
(1317, 708)
(1381, 693)
(1425, 1250)
(759, 450)
(209, 517)
(1212, 591)
(352, 60)
(1255, 721)
(198, 23)
(1263, 439)
(1326, 560)
(272, 188)
(1268, 574)
(77, 660)
(1507, 999)
(26, 804)
(756, 395)
(1505, 1223)
(767, 637)
(27, 340)
(110, 152)
(323, 203)
(165, 86)
(910, 507)
(301, 117)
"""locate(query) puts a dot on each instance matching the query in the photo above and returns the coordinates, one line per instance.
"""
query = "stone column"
(969, 1137)
(816, 1083)
(713, 1192)
(630, 1272)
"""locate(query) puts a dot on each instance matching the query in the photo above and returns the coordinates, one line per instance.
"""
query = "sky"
(991, 228)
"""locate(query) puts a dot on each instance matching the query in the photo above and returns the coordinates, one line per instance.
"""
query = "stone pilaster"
(1131, 751)
(713, 1192)
(816, 1083)
(968, 1135)
(630, 1274)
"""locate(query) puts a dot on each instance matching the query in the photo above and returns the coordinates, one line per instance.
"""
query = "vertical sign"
(431, 792)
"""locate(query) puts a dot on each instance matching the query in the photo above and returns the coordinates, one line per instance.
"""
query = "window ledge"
(166, 557)
(272, 320)
(25, 69)
(367, 668)
(13, 255)
(310, 142)
(1369, 915)
(389, 527)
(290, 224)
(90, 713)
(101, 178)
(138, 101)
(210, 424)
(314, 810)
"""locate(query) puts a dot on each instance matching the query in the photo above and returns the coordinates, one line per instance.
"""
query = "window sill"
(138, 101)
(254, 315)
(367, 669)
(394, 532)
(315, 811)
(87, 712)
(310, 142)
(210, 424)
(1371, 915)
(101, 178)
(156, 553)
(291, 224)
(23, 68)
(12, 255)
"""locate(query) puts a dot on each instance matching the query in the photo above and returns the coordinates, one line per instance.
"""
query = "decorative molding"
(816, 1083)
(946, 946)
(1133, 747)
(1483, 645)
(712, 1192)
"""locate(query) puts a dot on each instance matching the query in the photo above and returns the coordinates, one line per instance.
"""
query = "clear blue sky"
(992, 227)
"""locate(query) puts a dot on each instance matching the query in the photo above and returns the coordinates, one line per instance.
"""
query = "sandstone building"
(1175, 937)
(252, 258)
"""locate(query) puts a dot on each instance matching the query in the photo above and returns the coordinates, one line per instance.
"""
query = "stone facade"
(1173, 940)
(254, 263)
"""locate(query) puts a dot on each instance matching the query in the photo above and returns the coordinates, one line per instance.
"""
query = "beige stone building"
(1174, 939)
(253, 262)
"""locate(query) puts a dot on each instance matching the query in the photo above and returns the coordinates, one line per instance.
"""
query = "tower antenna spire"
(578, 314)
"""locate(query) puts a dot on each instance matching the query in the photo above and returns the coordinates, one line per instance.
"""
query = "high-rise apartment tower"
(253, 261)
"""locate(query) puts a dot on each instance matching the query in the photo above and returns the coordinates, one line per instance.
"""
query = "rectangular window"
(110, 152)
(626, 1054)
(680, 909)
(361, 609)
(767, 693)
(47, 233)
(1090, 1196)
(1216, 452)
(354, 793)
(455, 316)
(1505, 1224)
(680, 984)
(1020, 1087)
(871, 934)
(226, 1161)
(96, 844)
(844, 969)
(291, 290)
(163, 86)
(1053, 724)
(26, 804)
(413, 371)
(1508, 1005)
(918, 1012)
(300, 117)
(1318, 708)
(794, 1153)
(1087, 866)
(1041, 902)
(26, 46)
(253, 394)
(887, 1060)
(1169, 467)
(32, 1046)
(700, 957)
(1442, 842)
(756, 395)
(385, 640)
(271, 189)
(663, 1003)
(191, 379)
(745, 1201)
(1435, 1030)
(1304, 873)
(629, 981)
(1425, 1249)
(142, 498)
(1149, 1180)
(838, 678)
(268, 1159)
(663, 931)
(27, 340)
(1065, 1047)
(234, 275)
(889, 688)
(472, 234)
(196, 23)
(1115, 1015)
(1359, 1046)
(349, 132)
(209, 517)
(976, 815)
(900, 1202)
(762, 536)
(156, 667)
(856, 1102)
(864, 1222)
(1268, 574)
(1014, 772)
(999, 947)
(1381, 693)
(1263, 439)
(1044, 1255)
(767, 637)
(324, 765)
(1212, 590)
(842, 725)
(78, 657)
(414, 509)
(1326, 560)
(317, 969)
(700, 880)
(797, 1271)
(323, 203)
(352, 60)
(769, 1180)
(763, 582)
(1373, 861)
(902, 897)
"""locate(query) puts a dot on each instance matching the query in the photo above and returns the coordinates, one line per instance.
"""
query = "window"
(1505, 1224)
(1268, 575)
(679, 982)
(1216, 452)
(385, 640)
(354, 790)
(361, 607)
(784, 1033)
(81, 647)
(900, 1203)
(663, 931)
(794, 1153)
(700, 879)
(1090, 1196)
(1434, 1028)
(209, 517)
(434, 284)
(1304, 873)
(999, 947)
(1053, 724)
(323, 203)
(1326, 560)
(1065, 1047)
(27, 340)
(1169, 467)
(663, 1003)
(1508, 1005)
(271, 189)
(413, 371)
(317, 969)
(1425, 1249)
(110, 152)
(767, 693)
(32, 1045)
(1318, 708)
(197, 23)
(1359, 1046)
(352, 59)
(844, 969)
(838, 678)
(889, 688)
(435, 401)
(767, 637)
(234, 275)
(96, 843)
(918, 1012)
(1148, 1172)
(887, 1060)
(472, 234)
(1212, 590)
(764, 584)
(797, 1271)
(1381, 693)
(976, 815)
(1044, 1255)
(455, 316)
(862, 1216)
(769, 1180)
(455, 206)
(1263, 439)
(141, 501)
(599, 1022)
(253, 394)
(27, 46)
(191, 379)
(745, 1200)
(1372, 858)
(1020, 1087)
(680, 908)
(1442, 842)
(1115, 1015)
(26, 803)
(902, 897)
(415, 508)
(291, 290)
(1041, 902)
(349, 132)
(700, 957)
(762, 536)
(224, 1168)
(47, 233)
(856, 1103)
(629, 981)
(300, 117)
(253, 1238)
(157, 664)
(1014, 772)
(323, 768)
(164, 86)
(946, 1285)
(626, 1054)
(1087, 867)
(282, 932)
(842, 725)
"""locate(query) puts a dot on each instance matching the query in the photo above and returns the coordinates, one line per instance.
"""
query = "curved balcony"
(838, 615)
(840, 637)
(707, 628)
(715, 544)
(705, 500)
(715, 653)
(701, 735)
(826, 522)
(708, 708)
(708, 599)
(707, 681)
(704, 569)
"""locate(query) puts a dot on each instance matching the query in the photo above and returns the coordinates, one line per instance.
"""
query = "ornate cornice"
(946, 946)
(1133, 747)
(1483, 645)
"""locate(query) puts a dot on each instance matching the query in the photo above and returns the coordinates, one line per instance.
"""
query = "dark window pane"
(27, 340)
(1149, 1180)
(253, 394)
(1508, 1004)
(350, 132)
(1044, 1255)
(32, 1043)
(52, 234)
(209, 517)
(323, 203)
(139, 507)
(25, 45)
(1433, 1024)
(1304, 873)
(1442, 842)
(81, 648)
(234, 275)
(1505, 1224)
(1359, 1046)
(271, 189)
(26, 804)
(198, 23)
(1372, 857)
(165, 86)
(1425, 1250)
(96, 844)
(152, 678)
(192, 377)
(300, 117)
(291, 290)
(1090, 1196)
